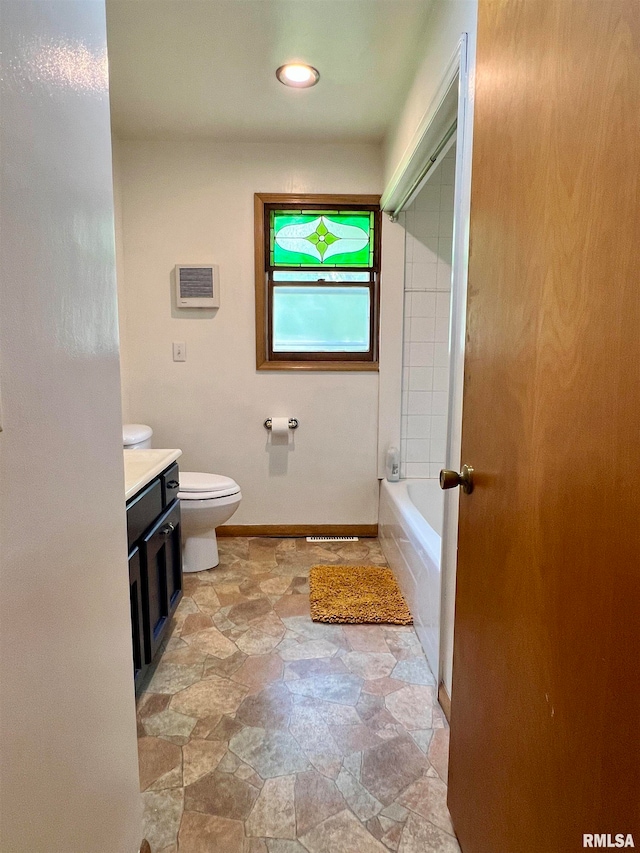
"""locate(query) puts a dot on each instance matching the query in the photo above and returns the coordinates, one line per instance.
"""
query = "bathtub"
(410, 531)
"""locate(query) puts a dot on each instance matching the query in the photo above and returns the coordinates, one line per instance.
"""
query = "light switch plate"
(179, 351)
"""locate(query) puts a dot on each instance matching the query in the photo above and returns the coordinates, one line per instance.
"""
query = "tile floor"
(261, 731)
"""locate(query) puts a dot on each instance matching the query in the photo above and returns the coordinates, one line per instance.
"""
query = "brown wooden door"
(545, 729)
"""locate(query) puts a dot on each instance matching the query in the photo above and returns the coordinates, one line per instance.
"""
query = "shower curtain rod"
(416, 185)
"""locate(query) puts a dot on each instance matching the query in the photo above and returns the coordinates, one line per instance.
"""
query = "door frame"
(457, 338)
(457, 82)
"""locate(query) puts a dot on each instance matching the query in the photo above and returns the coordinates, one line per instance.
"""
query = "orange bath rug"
(356, 594)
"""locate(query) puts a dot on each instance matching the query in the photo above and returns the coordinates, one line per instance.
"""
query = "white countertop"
(141, 466)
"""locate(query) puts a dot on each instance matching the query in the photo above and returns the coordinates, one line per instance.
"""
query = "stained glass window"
(317, 266)
(325, 238)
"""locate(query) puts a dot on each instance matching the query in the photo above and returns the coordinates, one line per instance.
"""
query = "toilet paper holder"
(293, 423)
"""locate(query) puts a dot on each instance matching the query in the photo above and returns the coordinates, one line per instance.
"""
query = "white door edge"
(459, 272)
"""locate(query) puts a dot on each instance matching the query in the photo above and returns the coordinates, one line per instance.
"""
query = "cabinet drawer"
(143, 510)
(170, 485)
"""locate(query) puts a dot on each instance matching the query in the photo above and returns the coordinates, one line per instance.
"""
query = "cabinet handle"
(168, 530)
(173, 484)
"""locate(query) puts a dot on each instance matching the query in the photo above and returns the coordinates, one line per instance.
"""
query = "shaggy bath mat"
(356, 594)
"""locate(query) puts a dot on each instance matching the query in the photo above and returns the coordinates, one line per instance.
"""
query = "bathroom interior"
(259, 730)
(178, 178)
(184, 195)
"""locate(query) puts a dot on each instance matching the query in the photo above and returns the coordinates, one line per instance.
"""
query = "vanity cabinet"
(155, 565)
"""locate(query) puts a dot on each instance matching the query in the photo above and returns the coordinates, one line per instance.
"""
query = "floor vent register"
(332, 538)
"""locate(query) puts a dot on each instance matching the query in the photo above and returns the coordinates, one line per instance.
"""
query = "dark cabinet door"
(137, 619)
(161, 577)
(173, 555)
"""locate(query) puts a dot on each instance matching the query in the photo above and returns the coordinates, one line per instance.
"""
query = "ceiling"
(206, 68)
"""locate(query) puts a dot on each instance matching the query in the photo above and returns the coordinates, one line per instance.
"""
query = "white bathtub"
(410, 531)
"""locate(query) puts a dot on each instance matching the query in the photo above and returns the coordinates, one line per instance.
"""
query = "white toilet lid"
(135, 433)
(195, 483)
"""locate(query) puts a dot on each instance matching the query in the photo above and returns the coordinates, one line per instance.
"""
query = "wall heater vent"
(197, 286)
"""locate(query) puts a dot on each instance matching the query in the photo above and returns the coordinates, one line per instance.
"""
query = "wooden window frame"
(266, 359)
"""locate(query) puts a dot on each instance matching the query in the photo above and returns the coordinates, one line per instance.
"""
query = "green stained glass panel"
(321, 239)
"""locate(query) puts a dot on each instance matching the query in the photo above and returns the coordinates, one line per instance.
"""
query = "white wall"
(119, 235)
(427, 314)
(68, 734)
(447, 21)
(193, 203)
(391, 321)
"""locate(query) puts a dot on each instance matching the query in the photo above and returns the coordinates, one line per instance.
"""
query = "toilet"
(136, 436)
(206, 502)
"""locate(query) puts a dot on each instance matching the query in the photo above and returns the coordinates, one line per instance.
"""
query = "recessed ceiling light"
(298, 75)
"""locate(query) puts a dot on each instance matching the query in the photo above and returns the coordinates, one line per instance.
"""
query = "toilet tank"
(136, 436)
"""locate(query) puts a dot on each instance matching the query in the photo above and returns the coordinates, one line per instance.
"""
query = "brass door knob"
(451, 479)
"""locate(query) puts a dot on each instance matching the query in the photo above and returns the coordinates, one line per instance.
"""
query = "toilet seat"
(196, 486)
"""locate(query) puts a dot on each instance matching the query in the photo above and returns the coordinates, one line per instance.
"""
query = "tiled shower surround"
(427, 307)
(264, 732)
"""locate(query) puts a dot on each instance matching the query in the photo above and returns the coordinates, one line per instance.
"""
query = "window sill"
(344, 366)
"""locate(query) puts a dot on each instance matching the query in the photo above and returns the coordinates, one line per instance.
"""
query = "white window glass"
(321, 319)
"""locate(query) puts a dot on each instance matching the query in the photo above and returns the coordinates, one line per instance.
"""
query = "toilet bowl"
(206, 502)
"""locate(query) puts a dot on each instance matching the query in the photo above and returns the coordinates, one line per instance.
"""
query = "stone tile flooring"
(261, 731)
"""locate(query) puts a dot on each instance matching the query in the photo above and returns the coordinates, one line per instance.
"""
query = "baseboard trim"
(283, 531)
(445, 701)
